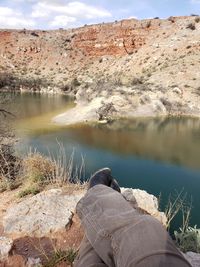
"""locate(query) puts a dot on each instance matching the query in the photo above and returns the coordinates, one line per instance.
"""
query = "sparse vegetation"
(59, 256)
(11, 82)
(31, 190)
(197, 19)
(38, 171)
(188, 239)
(191, 26)
(9, 167)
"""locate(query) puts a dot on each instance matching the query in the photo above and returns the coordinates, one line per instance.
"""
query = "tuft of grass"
(9, 168)
(39, 171)
(31, 190)
(38, 168)
(188, 239)
(59, 256)
(176, 204)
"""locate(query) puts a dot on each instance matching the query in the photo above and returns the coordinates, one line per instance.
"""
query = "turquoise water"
(157, 155)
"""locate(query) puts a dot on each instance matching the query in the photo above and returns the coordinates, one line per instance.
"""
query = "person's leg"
(121, 236)
(87, 257)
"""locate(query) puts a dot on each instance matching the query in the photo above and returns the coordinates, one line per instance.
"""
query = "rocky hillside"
(149, 67)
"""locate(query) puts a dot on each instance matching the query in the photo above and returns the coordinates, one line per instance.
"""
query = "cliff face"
(28, 52)
(128, 58)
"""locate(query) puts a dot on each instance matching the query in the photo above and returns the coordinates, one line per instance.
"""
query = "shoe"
(103, 176)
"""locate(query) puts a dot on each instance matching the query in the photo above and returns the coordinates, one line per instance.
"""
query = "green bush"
(189, 239)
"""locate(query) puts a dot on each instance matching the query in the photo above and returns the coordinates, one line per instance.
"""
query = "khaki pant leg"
(146, 244)
(87, 257)
(121, 236)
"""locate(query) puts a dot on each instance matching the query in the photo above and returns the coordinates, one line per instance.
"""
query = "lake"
(159, 155)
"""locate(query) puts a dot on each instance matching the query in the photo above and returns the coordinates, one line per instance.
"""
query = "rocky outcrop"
(140, 199)
(32, 221)
(193, 258)
(5, 246)
(52, 211)
(40, 215)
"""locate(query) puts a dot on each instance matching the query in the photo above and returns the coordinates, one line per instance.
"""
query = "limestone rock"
(39, 215)
(143, 200)
(32, 262)
(52, 210)
(193, 258)
(5, 246)
(177, 90)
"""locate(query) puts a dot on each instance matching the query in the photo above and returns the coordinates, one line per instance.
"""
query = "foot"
(104, 177)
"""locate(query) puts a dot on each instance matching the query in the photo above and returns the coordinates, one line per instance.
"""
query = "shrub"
(61, 256)
(106, 111)
(172, 19)
(191, 26)
(38, 168)
(9, 168)
(189, 239)
(137, 81)
(43, 170)
(31, 190)
(148, 24)
(197, 19)
(75, 83)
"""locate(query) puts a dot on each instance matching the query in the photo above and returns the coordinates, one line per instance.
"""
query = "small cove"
(159, 155)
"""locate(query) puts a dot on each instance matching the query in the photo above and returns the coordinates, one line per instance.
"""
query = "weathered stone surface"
(52, 210)
(39, 215)
(143, 200)
(32, 262)
(193, 258)
(5, 246)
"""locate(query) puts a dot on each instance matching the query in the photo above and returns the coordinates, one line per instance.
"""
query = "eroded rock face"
(42, 214)
(146, 202)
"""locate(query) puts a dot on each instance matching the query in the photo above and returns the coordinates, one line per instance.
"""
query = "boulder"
(49, 211)
(193, 258)
(144, 201)
(5, 246)
(32, 262)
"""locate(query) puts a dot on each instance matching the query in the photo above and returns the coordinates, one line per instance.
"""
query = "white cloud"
(195, 1)
(51, 13)
(62, 21)
(40, 11)
(12, 19)
(72, 9)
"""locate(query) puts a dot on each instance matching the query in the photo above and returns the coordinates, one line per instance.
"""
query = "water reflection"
(172, 140)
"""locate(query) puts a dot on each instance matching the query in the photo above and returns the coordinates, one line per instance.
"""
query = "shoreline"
(81, 114)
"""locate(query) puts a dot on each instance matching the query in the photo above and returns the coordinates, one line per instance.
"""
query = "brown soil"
(29, 247)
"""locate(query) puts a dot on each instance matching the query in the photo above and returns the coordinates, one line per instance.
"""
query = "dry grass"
(59, 256)
(40, 171)
(51, 254)
(9, 168)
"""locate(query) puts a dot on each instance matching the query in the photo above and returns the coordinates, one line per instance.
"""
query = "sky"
(55, 14)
